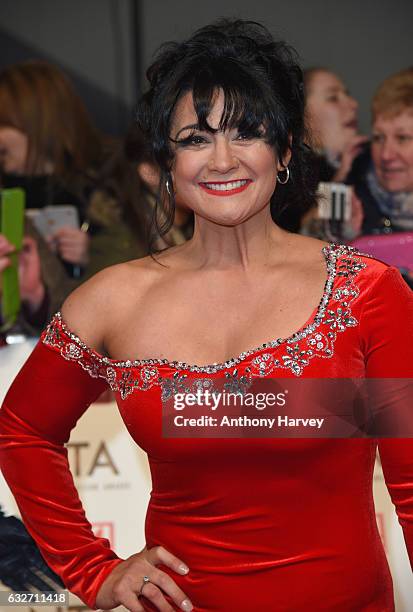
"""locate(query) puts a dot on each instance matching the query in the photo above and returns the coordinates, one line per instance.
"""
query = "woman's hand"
(352, 149)
(124, 585)
(32, 289)
(72, 245)
(5, 249)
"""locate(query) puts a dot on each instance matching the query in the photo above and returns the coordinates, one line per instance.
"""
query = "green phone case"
(11, 226)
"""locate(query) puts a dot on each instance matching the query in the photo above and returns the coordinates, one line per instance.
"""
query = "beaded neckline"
(331, 253)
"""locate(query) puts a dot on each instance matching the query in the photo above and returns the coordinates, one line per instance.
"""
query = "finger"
(73, 246)
(62, 231)
(131, 602)
(4, 263)
(74, 258)
(159, 554)
(169, 586)
(66, 232)
(29, 241)
(29, 245)
(6, 247)
(151, 592)
(3, 239)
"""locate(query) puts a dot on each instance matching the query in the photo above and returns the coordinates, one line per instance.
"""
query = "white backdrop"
(113, 480)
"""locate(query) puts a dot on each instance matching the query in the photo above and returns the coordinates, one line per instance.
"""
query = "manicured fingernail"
(186, 605)
(183, 569)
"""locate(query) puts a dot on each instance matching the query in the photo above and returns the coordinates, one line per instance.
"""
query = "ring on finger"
(145, 580)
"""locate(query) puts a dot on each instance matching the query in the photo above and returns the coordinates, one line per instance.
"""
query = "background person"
(383, 175)
(50, 147)
(332, 123)
(332, 131)
(140, 157)
(43, 282)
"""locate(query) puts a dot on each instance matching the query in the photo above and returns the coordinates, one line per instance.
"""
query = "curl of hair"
(394, 95)
(262, 84)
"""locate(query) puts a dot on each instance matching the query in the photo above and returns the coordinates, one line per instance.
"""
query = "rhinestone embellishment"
(317, 339)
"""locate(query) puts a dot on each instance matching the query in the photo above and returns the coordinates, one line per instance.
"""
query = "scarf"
(397, 206)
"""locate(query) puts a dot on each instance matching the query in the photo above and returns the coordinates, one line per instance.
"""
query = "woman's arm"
(41, 408)
(386, 326)
(48, 396)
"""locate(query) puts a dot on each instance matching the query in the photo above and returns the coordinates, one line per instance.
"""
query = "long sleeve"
(51, 392)
(387, 336)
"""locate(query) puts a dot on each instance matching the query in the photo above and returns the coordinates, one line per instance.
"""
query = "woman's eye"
(196, 140)
(378, 138)
(191, 141)
(404, 137)
(248, 136)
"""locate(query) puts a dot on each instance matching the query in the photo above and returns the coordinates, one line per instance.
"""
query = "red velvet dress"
(282, 525)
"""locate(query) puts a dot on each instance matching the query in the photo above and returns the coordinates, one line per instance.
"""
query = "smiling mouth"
(226, 188)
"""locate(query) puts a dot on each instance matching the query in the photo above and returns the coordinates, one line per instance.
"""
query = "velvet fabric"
(282, 525)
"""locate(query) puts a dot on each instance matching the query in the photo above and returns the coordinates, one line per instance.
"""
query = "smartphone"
(12, 203)
(49, 219)
(60, 216)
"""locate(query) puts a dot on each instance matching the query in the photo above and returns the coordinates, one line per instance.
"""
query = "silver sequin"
(333, 312)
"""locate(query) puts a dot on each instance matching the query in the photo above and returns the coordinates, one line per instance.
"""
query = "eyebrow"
(334, 88)
(194, 126)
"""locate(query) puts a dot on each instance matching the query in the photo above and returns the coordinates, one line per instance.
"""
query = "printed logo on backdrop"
(95, 466)
(105, 529)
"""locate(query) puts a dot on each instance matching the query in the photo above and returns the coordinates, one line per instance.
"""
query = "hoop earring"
(168, 186)
(287, 178)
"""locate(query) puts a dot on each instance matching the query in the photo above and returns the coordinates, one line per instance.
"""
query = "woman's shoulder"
(344, 261)
(97, 304)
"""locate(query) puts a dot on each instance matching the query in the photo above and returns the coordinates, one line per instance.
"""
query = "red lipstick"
(225, 192)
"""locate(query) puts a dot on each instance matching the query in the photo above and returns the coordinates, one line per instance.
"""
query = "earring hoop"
(168, 186)
(287, 177)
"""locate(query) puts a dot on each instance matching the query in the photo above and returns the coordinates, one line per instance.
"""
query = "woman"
(332, 130)
(234, 524)
(332, 123)
(383, 176)
(50, 148)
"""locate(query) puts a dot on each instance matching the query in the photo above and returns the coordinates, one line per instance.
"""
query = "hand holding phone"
(72, 245)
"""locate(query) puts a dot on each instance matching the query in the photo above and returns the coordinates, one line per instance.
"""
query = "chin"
(395, 186)
(229, 220)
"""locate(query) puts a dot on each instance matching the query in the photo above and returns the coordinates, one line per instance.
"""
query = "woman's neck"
(246, 245)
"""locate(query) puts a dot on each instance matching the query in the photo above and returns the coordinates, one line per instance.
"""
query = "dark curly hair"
(262, 84)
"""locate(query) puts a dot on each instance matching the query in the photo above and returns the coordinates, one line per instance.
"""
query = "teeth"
(226, 186)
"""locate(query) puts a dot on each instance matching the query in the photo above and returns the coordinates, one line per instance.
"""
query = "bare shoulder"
(99, 303)
(306, 251)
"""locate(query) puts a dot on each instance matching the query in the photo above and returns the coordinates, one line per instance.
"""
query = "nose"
(222, 157)
(350, 102)
(353, 103)
(388, 150)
